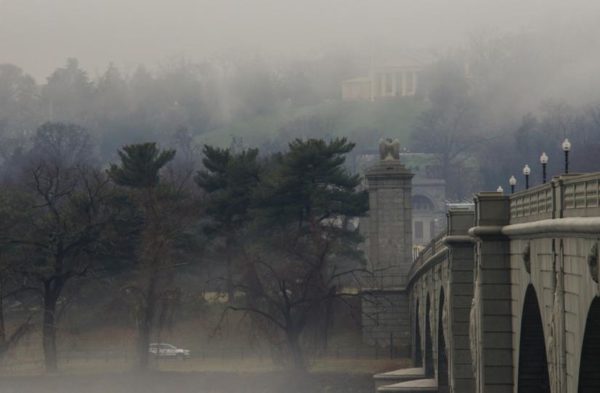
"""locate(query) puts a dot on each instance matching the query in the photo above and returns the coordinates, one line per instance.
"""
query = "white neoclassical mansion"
(399, 78)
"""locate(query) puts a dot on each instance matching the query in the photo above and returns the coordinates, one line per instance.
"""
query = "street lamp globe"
(544, 162)
(500, 189)
(566, 146)
(513, 182)
(526, 172)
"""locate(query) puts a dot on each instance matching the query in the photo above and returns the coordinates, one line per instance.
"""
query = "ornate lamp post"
(566, 146)
(513, 182)
(544, 162)
(526, 172)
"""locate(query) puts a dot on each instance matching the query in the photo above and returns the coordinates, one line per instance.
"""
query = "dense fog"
(189, 172)
(39, 35)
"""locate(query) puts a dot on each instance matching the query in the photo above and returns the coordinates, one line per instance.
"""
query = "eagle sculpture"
(389, 149)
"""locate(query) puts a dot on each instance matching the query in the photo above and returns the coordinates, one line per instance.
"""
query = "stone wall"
(386, 320)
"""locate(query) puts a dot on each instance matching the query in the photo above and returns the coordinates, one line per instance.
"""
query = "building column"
(403, 83)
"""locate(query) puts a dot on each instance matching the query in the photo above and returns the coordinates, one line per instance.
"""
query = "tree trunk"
(145, 323)
(2, 324)
(293, 339)
(49, 330)
(144, 331)
(229, 270)
(229, 279)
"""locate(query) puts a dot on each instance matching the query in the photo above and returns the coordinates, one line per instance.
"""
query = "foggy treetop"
(521, 76)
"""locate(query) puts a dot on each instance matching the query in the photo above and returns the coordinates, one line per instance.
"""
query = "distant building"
(429, 209)
(393, 79)
(357, 89)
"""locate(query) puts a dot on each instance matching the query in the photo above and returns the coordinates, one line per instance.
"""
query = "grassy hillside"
(362, 122)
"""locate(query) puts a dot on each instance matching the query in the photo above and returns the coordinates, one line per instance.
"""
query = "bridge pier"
(460, 295)
(491, 315)
(388, 229)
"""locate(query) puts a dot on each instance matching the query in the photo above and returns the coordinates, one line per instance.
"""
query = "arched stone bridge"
(507, 299)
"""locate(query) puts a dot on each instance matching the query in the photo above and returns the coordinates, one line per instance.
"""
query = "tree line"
(120, 107)
(500, 102)
(279, 225)
(507, 97)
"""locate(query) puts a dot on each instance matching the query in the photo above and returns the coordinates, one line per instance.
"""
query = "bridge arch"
(589, 378)
(418, 351)
(533, 374)
(428, 361)
(442, 358)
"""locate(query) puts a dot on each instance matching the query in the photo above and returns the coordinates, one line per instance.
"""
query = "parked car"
(163, 350)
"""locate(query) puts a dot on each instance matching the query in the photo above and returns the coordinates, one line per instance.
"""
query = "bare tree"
(301, 247)
(13, 210)
(68, 210)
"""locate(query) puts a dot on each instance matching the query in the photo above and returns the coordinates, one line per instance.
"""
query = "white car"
(162, 350)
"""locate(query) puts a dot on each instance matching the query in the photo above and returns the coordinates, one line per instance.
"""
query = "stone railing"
(435, 245)
(581, 195)
(565, 196)
(531, 205)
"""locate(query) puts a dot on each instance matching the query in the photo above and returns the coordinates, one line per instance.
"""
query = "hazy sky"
(39, 35)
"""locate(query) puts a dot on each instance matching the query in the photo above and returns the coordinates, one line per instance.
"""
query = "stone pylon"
(388, 232)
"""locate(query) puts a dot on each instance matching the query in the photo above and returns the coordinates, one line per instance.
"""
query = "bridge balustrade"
(581, 196)
(534, 204)
(565, 196)
(435, 245)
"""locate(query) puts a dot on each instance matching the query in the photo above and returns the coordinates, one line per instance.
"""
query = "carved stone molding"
(592, 261)
(389, 149)
(473, 326)
(526, 255)
(556, 332)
